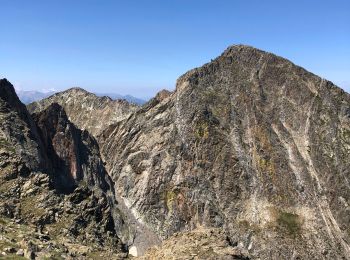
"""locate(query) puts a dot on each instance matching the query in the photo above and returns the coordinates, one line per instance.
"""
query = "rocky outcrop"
(40, 223)
(198, 244)
(17, 129)
(86, 110)
(56, 198)
(250, 143)
(73, 154)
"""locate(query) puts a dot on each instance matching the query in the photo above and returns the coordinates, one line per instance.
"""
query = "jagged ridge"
(86, 110)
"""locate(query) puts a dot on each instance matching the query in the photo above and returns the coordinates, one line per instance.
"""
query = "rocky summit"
(86, 110)
(248, 158)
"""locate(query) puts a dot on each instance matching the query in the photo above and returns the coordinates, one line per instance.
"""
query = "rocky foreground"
(249, 158)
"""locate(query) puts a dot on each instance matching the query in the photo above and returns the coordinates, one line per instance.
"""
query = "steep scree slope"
(250, 143)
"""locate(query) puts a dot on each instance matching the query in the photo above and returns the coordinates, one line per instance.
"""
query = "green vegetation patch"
(13, 257)
(170, 197)
(29, 207)
(290, 222)
(6, 145)
(202, 130)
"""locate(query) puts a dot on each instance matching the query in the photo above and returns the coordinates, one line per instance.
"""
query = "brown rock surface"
(250, 143)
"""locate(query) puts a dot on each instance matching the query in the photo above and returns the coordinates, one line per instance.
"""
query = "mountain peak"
(87, 110)
(241, 47)
(8, 94)
(77, 90)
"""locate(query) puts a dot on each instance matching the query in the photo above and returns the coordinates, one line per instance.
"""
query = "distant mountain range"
(29, 96)
(129, 98)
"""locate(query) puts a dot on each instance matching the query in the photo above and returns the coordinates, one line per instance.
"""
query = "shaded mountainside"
(17, 129)
(250, 143)
(56, 198)
(74, 154)
(86, 110)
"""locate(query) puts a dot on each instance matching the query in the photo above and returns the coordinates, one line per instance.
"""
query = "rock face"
(250, 143)
(17, 129)
(248, 158)
(86, 110)
(73, 154)
(56, 197)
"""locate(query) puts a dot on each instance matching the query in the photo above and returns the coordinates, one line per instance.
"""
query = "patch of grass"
(29, 206)
(266, 166)
(346, 135)
(14, 257)
(55, 229)
(6, 145)
(53, 257)
(4, 244)
(169, 199)
(5, 186)
(202, 130)
(290, 222)
(3, 221)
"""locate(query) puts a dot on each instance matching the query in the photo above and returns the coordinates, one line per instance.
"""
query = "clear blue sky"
(140, 47)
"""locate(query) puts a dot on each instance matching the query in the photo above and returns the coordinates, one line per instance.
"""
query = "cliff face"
(86, 110)
(56, 198)
(17, 129)
(249, 142)
(73, 154)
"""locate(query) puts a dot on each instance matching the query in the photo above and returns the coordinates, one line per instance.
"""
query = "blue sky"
(140, 47)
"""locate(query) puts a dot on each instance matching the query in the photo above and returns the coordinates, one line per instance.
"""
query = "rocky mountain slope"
(248, 158)
(86, 110)
(250, 143)
(56, 199)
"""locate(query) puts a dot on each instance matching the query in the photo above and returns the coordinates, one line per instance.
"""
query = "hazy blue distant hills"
(129, 98)
(29, 96)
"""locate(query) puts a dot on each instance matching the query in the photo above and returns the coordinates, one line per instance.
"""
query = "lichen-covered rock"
(250, 143)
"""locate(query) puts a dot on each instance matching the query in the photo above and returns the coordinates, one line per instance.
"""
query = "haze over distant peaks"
(29, 96)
